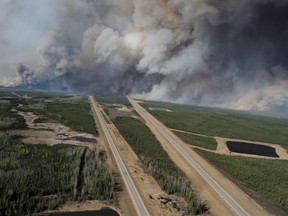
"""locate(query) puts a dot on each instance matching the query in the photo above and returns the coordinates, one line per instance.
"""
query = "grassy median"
(200, 141)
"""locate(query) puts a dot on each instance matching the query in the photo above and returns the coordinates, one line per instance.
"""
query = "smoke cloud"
(228, 53)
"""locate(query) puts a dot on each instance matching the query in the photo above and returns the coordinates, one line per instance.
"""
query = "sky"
(230, 54)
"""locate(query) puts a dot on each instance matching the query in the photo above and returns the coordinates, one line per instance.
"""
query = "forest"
(35, 178)
(222, 123)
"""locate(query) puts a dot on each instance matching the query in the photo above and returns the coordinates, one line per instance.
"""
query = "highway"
(133, 192)
(231, 202)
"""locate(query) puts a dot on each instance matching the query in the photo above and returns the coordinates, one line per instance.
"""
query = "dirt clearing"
(52, 133)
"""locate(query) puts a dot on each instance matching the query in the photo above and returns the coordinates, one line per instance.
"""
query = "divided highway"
(134, 194)
(234, 205)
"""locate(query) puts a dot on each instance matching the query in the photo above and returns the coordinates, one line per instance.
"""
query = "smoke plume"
(226, 53)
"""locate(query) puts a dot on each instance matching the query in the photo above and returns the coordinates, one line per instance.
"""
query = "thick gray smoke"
(207, 52)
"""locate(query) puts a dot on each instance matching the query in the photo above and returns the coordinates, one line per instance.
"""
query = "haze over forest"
(227, 53)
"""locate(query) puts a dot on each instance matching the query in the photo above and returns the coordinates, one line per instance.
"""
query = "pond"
(254, 149)
(84, 139)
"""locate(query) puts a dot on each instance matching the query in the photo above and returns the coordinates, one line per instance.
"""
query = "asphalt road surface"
(237, 208)
(134, 194)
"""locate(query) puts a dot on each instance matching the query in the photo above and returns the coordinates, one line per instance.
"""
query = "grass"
(38, 177)
(113, 100)
(157, 162)
(200, 141)
(222, 123)
(269, 178)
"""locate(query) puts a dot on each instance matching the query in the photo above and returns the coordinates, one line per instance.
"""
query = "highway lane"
(232, 203)
(134, 194)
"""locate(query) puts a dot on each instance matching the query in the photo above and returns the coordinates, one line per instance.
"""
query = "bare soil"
(52, 133)
(91, 205)
(115, 110)
(160, 109)
(124, 109)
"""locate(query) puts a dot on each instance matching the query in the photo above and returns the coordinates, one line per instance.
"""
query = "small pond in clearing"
(254, 149)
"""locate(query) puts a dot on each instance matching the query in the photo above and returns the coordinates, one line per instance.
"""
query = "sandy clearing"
(222, 147)
(124, 109)
(29, 118)
(52, 133)
(50, 138)
(159, 109)
(218, 206)
(91, 205)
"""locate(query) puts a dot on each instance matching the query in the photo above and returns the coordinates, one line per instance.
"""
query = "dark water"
(102, 212)
(248, 148)
(84, 139)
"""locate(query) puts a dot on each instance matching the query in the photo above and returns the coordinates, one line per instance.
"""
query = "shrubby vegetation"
(200, 141)
(38, 177)
(9, 119)
(158, 163)
(267, 177)
(223, 123)
(75, 114)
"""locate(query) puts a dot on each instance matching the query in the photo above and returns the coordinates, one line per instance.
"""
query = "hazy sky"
(207, 52)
